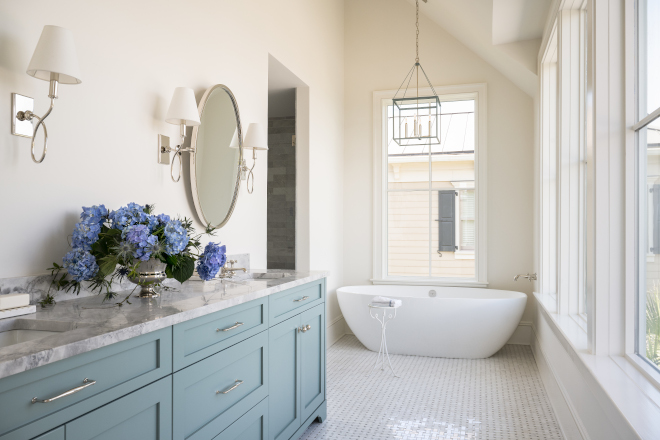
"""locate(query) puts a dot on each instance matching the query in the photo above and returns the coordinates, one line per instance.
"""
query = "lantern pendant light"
(416, 118)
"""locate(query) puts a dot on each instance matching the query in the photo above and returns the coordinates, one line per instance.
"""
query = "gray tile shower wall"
(281, 193)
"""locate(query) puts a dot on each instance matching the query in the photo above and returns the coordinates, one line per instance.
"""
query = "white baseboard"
(335, 330)
(565, 413)
(522, 334)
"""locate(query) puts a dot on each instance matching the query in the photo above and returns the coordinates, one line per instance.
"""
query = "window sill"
(440, 282)
(635, 393)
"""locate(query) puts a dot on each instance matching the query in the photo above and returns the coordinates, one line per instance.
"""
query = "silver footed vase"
(150, 274)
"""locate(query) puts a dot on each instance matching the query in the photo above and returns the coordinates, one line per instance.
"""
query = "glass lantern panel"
(416, 121)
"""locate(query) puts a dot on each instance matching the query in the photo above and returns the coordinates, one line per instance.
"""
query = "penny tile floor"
(499, 398)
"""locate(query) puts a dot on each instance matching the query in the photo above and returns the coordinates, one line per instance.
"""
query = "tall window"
(563, 166)
(429, 212)
(648, 148)
(548, 275)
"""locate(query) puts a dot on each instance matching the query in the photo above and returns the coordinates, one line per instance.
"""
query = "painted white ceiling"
(478, 23)
(518, 20)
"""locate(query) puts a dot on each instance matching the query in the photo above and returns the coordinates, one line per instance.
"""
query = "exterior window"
(648, 149)
(431, 199)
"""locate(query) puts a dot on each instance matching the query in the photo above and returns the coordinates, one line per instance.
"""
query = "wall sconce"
(255, 139)
(54, 60)
(182, 112)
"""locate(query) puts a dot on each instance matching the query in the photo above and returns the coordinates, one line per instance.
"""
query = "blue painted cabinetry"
(255, 371)
(297, 372)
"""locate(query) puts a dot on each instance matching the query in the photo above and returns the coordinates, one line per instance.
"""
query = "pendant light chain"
(417, 34)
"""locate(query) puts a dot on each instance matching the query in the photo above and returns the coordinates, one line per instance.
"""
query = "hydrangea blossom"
(157, 221)
(128, 215)
(85, 235)
(94, 214)
(80, 264)
(140, 237)
(176, 237)
(210, 262)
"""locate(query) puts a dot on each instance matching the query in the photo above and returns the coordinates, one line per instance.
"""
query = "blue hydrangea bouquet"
(110, 245)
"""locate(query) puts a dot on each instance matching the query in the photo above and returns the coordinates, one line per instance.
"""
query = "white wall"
(380, 49)
(103, 132)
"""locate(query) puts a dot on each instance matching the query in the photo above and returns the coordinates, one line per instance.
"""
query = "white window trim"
(446, 93)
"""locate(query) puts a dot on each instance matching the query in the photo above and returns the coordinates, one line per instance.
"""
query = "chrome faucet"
(229, 272)
(529, 277)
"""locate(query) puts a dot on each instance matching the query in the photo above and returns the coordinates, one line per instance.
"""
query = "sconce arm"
(177, 153)
(250, 174)
(28, 116)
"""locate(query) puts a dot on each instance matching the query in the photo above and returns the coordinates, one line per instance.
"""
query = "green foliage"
(184, 269)
(653, 323)
(48, 300)
(115, 266)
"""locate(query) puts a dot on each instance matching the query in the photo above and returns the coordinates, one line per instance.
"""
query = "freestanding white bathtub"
(457, 322)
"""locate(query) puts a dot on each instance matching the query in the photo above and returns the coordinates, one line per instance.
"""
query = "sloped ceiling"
(505, 33)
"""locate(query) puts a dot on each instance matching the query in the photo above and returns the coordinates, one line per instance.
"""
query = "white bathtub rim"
(492, 293)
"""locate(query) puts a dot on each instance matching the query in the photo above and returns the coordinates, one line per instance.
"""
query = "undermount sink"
(17, 330)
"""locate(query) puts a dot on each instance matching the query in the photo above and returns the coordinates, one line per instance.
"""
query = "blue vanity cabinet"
(312, 360)
(116, 370)
(55, 434)
(288, 303)
(199, 338)
(212, 394)
(284, 401)
(254, 371)
(144, 414)
(297, 372)
(252, 426)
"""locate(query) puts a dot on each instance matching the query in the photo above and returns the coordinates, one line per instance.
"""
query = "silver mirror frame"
(193, 161)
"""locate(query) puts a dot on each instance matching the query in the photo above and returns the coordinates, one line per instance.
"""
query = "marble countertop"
(94, 324)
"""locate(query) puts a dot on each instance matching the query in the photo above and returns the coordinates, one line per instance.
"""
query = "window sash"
(476, 92)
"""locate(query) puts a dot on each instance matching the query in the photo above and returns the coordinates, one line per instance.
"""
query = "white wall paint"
(379, 49)
(103, 132)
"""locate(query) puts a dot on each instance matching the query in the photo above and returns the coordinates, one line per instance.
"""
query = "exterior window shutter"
(655, 247)
(447, 221)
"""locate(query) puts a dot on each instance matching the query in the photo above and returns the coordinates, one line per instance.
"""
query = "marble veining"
(100, 324)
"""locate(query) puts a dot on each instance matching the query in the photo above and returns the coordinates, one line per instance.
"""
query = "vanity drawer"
(200, 338)
(290, 302)
(111, 372)
(215, 392)
(252, 426)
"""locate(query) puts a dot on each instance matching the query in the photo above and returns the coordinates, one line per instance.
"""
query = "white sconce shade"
(255, 138)
(234, 140)
(183, 108)
(55, 53)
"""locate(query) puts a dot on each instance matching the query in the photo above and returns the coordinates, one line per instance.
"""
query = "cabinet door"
(312, 356)
(284, 383)
(143, 414)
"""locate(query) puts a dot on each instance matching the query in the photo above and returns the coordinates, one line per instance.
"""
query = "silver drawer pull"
(232, 388)
(305, 328)
(301, 299)
(87, 383)
(238, 324)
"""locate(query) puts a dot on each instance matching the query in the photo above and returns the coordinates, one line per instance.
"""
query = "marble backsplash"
(39, 285)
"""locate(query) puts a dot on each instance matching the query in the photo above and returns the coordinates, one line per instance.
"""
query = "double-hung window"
(429, 204)
(647, 130)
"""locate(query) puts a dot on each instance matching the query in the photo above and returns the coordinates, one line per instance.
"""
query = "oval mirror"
(215, 165)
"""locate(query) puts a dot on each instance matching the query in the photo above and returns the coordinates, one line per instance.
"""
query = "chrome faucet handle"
(529, 277)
